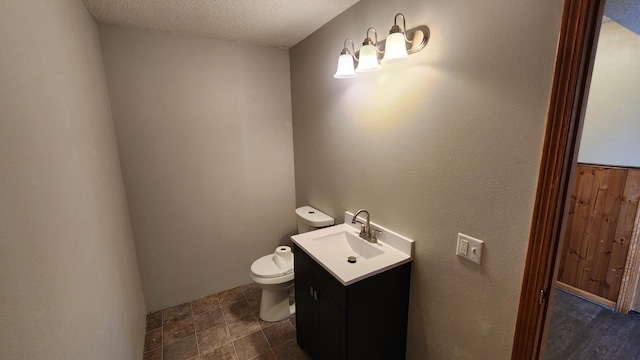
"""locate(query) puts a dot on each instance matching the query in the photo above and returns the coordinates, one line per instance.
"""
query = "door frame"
(575, 56)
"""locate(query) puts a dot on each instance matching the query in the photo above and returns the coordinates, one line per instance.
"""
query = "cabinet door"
(331, 329)
(320, 322)
(305, 311)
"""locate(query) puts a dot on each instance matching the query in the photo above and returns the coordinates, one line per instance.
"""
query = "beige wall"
(612, 121)
(205, 141)
(448, 142)
(69, 282)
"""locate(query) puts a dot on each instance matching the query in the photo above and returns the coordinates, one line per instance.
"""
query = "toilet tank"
(309, 218)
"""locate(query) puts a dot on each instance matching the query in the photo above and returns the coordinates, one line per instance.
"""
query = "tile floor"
(221, 326)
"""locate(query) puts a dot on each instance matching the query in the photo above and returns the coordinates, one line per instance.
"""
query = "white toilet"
(274, 272)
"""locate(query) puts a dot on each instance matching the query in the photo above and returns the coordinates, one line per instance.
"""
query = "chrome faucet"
(365, 230)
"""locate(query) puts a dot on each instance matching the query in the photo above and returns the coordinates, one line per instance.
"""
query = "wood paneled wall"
(602, 214)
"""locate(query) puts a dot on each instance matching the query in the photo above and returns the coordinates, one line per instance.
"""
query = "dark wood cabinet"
(365, 320)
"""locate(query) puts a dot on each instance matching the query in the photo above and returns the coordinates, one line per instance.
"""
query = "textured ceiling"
(625, 13)
(281, 23)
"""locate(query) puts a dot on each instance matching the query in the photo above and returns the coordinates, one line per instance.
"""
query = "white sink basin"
(332, 246)
(347, 243)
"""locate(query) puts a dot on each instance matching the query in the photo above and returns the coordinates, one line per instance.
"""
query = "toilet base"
(275, 305)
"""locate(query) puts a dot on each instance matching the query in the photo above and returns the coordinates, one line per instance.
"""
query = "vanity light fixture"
(394, 49)
(369, 54)
(345, 63)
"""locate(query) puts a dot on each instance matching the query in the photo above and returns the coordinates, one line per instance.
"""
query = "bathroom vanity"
(351, 310)
(365, 320)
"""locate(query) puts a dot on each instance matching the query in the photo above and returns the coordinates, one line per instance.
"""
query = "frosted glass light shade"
(345, 67)
(395, 49)
(368, 59)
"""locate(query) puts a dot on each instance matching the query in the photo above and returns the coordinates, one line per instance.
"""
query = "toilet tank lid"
(313, 217)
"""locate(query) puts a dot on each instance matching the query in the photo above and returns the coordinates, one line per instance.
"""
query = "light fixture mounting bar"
(411, 35)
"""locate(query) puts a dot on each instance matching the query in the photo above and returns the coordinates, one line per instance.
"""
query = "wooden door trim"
(577, 42)
(586, 295)
(631, 271)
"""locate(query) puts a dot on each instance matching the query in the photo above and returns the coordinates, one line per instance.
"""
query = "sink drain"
(351, 259)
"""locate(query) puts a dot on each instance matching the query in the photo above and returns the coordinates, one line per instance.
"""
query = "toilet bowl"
(274, 274)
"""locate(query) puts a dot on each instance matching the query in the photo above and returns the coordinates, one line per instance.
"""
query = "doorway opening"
(574, 65)
(599, 258)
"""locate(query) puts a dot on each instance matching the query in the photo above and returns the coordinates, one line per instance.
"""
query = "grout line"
(265, 337)
(195, 333)
(234, 349)
(226, 324)
(162, 334)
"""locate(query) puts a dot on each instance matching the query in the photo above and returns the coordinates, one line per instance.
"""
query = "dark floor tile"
(243, 326)
(290, 351)
(184, 349)
(223, 326)
(280, 333)
(249, 286)
(176, 312)
(269, 355)
(227, 297)
(177, 329)
(264, 324)
(153, 354)
(251, 345)
(236, 310)
(153, 339)
(208, 320)
(205, 304)
(212, 338)
(254, 305)
(224, 352)
(251, 291)
(154, 320)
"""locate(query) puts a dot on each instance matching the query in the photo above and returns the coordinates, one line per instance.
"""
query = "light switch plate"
(469, 248)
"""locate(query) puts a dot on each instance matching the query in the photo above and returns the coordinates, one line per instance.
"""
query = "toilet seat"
(266, 271)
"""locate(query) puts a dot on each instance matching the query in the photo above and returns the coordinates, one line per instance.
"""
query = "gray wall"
(205, 141)
(448, 142)
(612, 121)
(69, 281)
